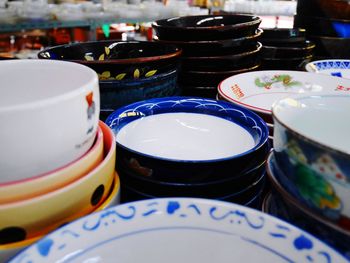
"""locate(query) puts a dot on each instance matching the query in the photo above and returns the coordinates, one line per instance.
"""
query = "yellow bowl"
(41, 214)
(35, 186)
(113, 197)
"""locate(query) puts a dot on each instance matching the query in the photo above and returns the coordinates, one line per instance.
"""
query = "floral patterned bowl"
(118, 60)
(312, 151)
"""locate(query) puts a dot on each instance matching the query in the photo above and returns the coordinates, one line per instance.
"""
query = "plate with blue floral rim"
(179, 230)
(258, 90)
(333, 67)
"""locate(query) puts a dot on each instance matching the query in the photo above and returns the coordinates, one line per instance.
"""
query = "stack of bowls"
(214, 47)
(128, 71)
(309, 166)
(57, 160)
(285, 49)
(258, 90)
(190, 147)
(328, 24)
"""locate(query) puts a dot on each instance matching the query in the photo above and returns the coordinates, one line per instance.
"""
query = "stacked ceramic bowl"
(328, 24)
(214, 47)
(57, 160)
(190, 147)
(285, 49)
(333, 67)
(309, 166)
(128, 71)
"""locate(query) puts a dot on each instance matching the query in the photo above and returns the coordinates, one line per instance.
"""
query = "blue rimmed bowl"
(333, 67)
(188, 139)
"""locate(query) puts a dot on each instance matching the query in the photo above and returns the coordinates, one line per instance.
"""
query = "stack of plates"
(190, 147)
(214, 47)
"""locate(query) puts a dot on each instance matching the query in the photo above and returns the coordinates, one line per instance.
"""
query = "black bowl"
(199, 91)
(117, 60)
(331, 47)
(215, 47)
(223, 63)
(294, 50)
(206, 27)
(285, 63)
(283, 35)
(336, 9)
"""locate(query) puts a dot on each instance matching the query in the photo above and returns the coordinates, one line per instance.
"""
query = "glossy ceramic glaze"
(283, 35)
(259, 90)
(118, 60)
(294, 63)
(333, 67)
(187, 169)
(118, 93)
(39, 109)
(39, 215)
(294, 50)
(188, 226)
(35, 186)
(208, 27)
(331, 47)
(311, 149)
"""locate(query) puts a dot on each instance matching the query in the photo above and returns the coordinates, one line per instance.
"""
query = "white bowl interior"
(323, 118)
(185, 136)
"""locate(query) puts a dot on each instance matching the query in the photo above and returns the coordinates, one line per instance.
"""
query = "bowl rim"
(308, 45)
(176, 53)
(261, 143)
(310, 67)
(254, 20)
(290, 199)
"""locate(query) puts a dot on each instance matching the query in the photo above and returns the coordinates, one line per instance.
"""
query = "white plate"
(179, 230)
(258, 90)
(333, 67)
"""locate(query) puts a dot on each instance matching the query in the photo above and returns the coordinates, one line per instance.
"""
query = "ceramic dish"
(35, 186)
(118, 60)
(294, 50)
(48, 120)
(188, 225)
(311, 151)
(174, 152)
(283, 35)
(333, 67)
(331, 47)
(295, 63)
(260, 89)
(208, 27)
(39, 215)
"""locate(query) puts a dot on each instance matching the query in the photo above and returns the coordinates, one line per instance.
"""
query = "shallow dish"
(333, 67)
(180, 154)
(294, 50)
(118, 60)
(309, 144)
(45, 183)
(208, 27)
(39, 215)
(295, 63)
(259, 90)
(48, 120)
(197, 223)
(283, 35)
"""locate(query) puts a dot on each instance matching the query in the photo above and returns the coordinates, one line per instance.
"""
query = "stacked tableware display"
(327, 23)
(309, 167)
(190, 147)
(285, 49)
(214, 47)
(128, 71)
(333, 67)
(180, 230)
(57, 160)
(258, 90)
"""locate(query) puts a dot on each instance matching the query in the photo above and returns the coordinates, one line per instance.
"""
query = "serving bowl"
(333, 67)
(171, 151)
(38, 185)
(48, 120)
(207, 27)
(187, 225)
(312, 152)
(39, 215)
(118, 60)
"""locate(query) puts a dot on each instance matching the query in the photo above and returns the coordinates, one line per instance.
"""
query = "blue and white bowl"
(333, 67)
(186, 139)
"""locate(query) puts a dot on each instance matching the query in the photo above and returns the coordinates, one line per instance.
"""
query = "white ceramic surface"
(49, 112)
(183, 136)
(333, 67)
(260, 89)
(179, 230)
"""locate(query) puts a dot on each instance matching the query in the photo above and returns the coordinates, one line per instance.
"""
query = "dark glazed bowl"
(294, 50)
(331, 47)
(118, 60)
(285, 63)
(207, 27)
(283, 35)
(182, 171)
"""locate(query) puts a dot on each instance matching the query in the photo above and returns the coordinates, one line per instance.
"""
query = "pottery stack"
(214, 47)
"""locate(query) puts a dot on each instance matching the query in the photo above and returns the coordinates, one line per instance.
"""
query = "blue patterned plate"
(179, 230)
(333, 67)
